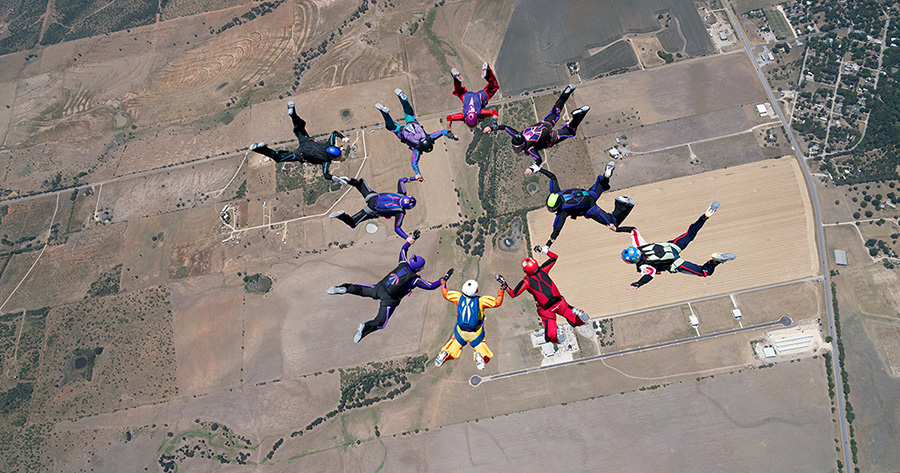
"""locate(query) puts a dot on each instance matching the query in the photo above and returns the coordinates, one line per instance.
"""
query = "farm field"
(732, 229)
(163, 297)
(565, 32)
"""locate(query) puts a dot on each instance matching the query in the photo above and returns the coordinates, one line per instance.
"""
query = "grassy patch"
(258, 283)
(778, 24)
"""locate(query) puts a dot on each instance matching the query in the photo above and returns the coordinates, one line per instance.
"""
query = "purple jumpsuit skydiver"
(412, 134)
(383, 204)
(308, 150)
(583, 203)
(542, 135)
(390, 290)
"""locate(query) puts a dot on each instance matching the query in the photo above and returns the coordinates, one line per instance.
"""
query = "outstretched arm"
(451, 118)
(554, 184)
(398, 223)
(548, 265)
(430, 286)
(442, 132)
(557, 227)
(451, 296)
(534, 154)
(414, 160)
(401, 184)
(647, 273)
(520, 288)
(403, 249)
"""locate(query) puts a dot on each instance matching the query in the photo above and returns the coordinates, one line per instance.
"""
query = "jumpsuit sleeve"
(451, 296)
(430, 286)
(537, 157)
(520, 288)
(454, 117)
(401, 184)
(647, 273)
(554, 184)
(558, 223)
(484, 113)
(439, 133)
(398, 223)
(636, 238)
(414, 160)
(403, 250)
(488, 302)
(548, 265)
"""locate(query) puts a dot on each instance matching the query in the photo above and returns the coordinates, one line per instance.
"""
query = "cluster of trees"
(262, 9)
(107, 283)
(845, 379)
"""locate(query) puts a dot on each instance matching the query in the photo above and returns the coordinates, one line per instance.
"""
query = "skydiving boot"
(358, 335)
(342, 216)
(342, 289)
(343, 181)
(440, 358)
(401, 94)
(484, 70)
(577, 116)
(255, 146)
(609, 169)
(561, 336)
(569, 88)
(581, 314)
(382, 108)
(455, 73)
(479, 361)
(711, 210)
(290, 111)
(723, 257)
(624, 205)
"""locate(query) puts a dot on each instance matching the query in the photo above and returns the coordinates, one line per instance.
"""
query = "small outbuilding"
(840, 257)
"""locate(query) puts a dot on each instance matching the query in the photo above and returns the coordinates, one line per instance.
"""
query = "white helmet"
(470, 288)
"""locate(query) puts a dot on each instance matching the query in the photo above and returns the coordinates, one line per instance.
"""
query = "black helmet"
(426, 144)
(518, 140)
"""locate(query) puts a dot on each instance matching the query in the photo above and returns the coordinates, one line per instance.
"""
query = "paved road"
(477, 380)
(820, 238)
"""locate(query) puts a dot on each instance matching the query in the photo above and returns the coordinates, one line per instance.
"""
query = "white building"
(761, 109)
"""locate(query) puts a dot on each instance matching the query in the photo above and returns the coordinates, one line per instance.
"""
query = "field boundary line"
(52, 219)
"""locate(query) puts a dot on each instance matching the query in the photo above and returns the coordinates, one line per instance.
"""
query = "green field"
(779, 25)
(743, 6)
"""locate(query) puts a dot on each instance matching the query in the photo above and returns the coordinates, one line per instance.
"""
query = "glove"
(542, 249)
(345, 139)
(452, 136)
(502, 281)
(534, 168)
(449, 273)
(416, 234)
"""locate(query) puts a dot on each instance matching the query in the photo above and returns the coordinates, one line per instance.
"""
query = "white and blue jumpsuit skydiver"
(308, 150)
(583, 203)
(385, 204)
(391, 289)
(413, 134)
(654, 258)
(542, 135)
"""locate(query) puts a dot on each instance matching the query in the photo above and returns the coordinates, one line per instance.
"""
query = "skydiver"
(583, 203)
(308, 150)
(469, 323)
(390, 290)
(547, 298)
(654, 258)
(412, 134)
(542, 135)
(474, 102)
(385, 204)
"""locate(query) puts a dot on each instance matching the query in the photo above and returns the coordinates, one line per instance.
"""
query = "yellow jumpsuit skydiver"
(469, 323)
